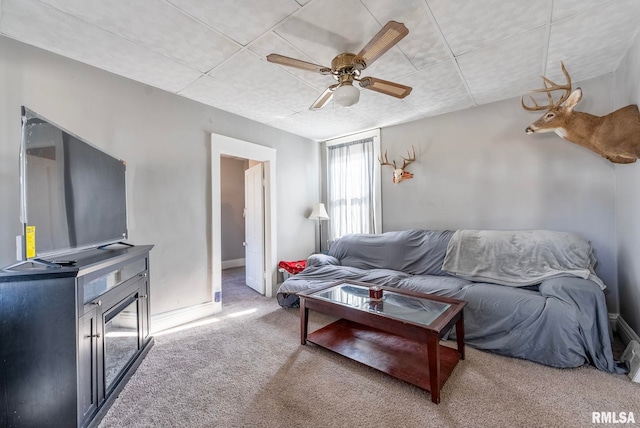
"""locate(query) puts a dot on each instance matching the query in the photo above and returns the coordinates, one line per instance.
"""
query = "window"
(353, 184)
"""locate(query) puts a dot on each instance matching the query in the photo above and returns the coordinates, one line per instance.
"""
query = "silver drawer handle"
(97, 303)
(143, 275)
(93, 335)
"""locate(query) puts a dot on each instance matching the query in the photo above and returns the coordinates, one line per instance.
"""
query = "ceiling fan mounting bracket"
(346, 67)
(347, 61)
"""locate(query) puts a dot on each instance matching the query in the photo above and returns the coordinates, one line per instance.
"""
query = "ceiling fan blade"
(292, 62)
(386, 38)
(324, 98)
(385, 87)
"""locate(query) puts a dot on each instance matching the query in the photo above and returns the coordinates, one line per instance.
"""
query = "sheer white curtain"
(352, 179)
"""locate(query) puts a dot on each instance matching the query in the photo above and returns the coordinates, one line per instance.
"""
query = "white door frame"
(223, 145)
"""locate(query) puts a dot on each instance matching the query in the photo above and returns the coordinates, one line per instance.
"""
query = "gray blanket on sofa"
(416, 252)
(519, 257)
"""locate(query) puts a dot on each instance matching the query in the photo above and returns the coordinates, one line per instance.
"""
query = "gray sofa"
(530, 294)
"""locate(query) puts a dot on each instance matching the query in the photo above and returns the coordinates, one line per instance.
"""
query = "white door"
(254, 228)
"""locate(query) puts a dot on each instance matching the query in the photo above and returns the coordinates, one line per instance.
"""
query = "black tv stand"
(102, 247)
(70, 338)
(64, 262)
(35, 262)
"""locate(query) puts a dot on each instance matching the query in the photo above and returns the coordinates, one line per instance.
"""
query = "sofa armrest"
(322, 260)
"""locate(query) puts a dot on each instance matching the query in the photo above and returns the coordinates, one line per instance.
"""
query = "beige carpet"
(246, 368)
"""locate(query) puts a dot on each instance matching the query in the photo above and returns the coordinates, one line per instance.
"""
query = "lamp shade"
(346, 95)
(319, 212)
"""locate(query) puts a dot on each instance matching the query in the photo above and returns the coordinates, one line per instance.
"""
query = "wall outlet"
(217, 296)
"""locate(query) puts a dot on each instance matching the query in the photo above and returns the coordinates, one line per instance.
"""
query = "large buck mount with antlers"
(399, 174)
(615, 136)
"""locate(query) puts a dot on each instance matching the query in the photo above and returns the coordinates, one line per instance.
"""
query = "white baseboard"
(228, 264)
(181, 316)
(625, 331)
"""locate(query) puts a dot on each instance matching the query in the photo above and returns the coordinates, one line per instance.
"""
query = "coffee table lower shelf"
(400, 357)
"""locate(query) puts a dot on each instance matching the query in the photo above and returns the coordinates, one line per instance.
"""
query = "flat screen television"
(73, 195)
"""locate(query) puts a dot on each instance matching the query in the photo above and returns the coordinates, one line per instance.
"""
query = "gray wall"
(165, 140)
(628, 199)
(232, 208)
(477, 169)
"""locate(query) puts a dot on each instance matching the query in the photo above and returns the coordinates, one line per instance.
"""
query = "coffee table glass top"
(419, 310)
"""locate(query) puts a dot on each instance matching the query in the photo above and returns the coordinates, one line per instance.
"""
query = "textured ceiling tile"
(156, 25)
(593, 43)
(389, 66)
(384, 110)
(265, 81)
(57, 32)
(272, 43)
(504, 70)
(437, 89)
(234, 100)
(565, 8)
(468, 25)
(497, 52)
(331, 122)
(241, 20)
(325, 29)
(422, 45)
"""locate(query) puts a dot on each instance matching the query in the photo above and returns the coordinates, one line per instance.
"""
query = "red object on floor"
(293, 267)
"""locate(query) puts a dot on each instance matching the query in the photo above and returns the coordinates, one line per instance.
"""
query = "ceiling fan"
(346, 68)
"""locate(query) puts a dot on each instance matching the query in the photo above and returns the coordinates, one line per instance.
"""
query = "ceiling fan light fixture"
(346, 94)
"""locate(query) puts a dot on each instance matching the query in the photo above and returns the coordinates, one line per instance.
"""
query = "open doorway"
(242, 229)
(221, 147)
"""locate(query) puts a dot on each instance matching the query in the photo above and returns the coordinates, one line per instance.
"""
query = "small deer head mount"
(615, 136)
(399, 174)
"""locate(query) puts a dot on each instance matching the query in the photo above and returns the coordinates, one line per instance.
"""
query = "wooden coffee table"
(395, 335)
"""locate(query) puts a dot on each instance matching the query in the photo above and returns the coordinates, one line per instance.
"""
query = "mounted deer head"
(399, 174)
(615, 136)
